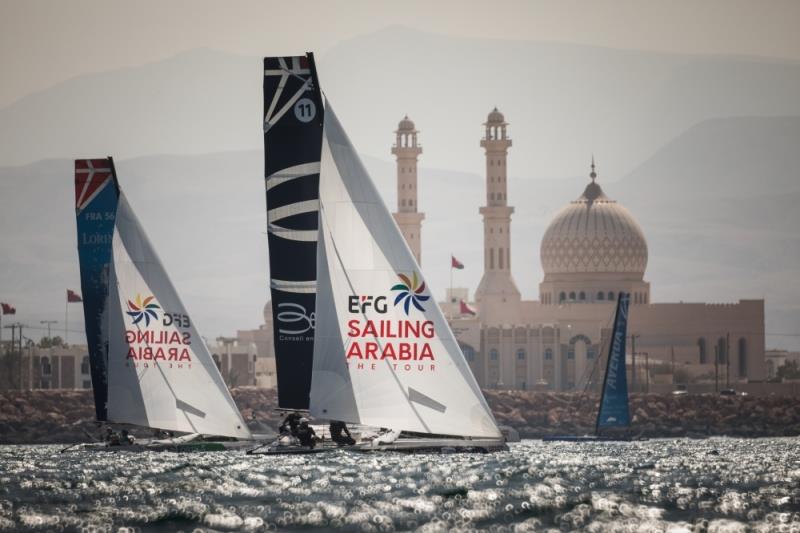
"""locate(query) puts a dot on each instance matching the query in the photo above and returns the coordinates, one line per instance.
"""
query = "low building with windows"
(58, 368)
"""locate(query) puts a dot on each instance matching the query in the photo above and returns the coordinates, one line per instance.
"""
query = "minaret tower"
(497, 295)
(407, 151)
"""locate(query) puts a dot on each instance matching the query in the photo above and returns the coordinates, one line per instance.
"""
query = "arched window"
(742, 357)
(601, 296)
(548, 354)
(562, 296)
(493, 355)
(571, 353)
(520, 355)
(611, 296)
(722, 357)
(469, 352)
(85, 365)
(47, 368)
(582, 296)
(572, 296)
(701, 348)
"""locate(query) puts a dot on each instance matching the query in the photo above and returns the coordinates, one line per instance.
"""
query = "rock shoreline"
(67, 416)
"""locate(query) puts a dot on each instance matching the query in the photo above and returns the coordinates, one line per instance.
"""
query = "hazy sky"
(44, 42)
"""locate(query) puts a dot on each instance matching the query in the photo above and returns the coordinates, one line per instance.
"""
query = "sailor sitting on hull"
(340, 434)
(306, 434)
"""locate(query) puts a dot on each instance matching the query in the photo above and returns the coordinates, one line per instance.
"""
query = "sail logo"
(410, 292)
(295, 314)
(143, 309)
(360, 304)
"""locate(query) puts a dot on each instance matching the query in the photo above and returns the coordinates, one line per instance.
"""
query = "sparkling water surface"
(716, 484)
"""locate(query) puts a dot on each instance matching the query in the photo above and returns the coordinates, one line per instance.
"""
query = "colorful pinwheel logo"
(143, 309)
(410, 292)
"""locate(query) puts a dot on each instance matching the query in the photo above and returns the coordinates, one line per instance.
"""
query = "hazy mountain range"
(702, 150)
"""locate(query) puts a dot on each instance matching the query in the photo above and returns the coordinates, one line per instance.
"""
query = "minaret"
(497, 295)
(407, 151)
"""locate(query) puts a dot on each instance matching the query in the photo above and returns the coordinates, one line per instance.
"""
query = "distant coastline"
(66, 416)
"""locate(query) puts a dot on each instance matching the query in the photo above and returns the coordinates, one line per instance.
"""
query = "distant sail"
(384, 354)
(153, 368)
(613, 410)
(292, 142)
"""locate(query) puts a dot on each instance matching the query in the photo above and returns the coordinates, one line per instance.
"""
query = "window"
(562, 296)
(742, 357)
(590, 353)
(520, 355)
(491, 258)
(85, 366)
(582, 296)
(548, 354)
(493, 355)
(571, 353)
(722, 357)
(468, 351)
(500, 255)
(47, 368)
(611, 296)
(572, 296)
(601, 296)
(701, 348)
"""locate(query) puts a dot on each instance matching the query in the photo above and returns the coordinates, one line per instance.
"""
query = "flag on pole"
(73, 297)
(466, 309)
(8, 309)
(455, 263)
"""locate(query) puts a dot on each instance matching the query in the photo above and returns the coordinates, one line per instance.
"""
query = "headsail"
(154, 368)
(613, 410)
(384, 354)
(292, 143)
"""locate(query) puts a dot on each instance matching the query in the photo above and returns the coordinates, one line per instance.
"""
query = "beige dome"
(495, 117)
(406, 124)
(594, 234)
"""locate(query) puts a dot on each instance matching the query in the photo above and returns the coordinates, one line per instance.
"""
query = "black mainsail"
(293, 118)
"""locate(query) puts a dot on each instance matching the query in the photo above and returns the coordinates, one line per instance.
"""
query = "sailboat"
(150, 367)
(383, 355)
(613, 412)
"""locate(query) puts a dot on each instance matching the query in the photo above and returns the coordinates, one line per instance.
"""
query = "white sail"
(160, 373)
(384, 354)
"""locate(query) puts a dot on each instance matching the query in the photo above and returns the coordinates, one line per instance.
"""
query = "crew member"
(340, 434)
(290, 424)
(305, 434)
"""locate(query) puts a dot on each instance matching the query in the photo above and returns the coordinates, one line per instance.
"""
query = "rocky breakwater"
(67, 416)
(539, 414)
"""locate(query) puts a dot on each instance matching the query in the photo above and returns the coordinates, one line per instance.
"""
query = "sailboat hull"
(436, 445)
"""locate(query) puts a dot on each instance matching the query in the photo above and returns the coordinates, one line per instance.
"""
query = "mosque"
(592, 250)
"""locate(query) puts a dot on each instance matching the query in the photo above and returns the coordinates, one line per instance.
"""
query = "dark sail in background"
(614, 400)
(96, 198)
(293, 116)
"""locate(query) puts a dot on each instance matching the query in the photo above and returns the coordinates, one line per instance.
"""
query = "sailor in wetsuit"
(290, 424)
(340, 434)
(305, 434)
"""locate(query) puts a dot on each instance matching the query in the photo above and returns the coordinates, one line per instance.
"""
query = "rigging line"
(353, 293)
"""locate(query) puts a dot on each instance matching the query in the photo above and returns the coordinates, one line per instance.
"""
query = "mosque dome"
(406, 124)
(594, 235)
(495, 117)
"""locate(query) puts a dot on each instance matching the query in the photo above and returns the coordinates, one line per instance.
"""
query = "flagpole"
(66, 320)
(450, 296)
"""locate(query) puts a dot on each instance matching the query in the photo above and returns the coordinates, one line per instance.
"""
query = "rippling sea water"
(674, 485)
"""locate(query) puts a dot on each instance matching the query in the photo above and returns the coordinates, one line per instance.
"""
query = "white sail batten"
(160, 373)
(384, 355)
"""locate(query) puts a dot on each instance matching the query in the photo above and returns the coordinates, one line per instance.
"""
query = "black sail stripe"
(293, 116)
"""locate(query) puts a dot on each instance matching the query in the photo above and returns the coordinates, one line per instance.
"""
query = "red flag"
(466, 309)
(8, 309)
(455, 263)
(73, 296)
